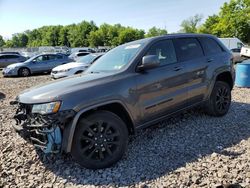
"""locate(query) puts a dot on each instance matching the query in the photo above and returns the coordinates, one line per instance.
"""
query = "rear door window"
(188, 49)
(210, 46)
(59, 57)
(52, 57)
(165, 52)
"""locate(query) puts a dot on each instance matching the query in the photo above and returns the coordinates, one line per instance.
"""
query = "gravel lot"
(192, 150)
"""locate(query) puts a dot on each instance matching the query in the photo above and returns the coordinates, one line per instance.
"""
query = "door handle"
(210, 60)
(177, 68)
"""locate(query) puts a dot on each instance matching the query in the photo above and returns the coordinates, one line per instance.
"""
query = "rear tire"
(100, 140)
(24, 72)
(220, 100)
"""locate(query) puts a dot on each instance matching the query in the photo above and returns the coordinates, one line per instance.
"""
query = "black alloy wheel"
(220, 99)
(100, 140)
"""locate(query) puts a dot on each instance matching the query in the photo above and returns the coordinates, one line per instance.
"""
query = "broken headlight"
(46, 108)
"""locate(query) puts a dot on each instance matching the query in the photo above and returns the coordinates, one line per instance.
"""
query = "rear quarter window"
(210, 46)
(188, 49)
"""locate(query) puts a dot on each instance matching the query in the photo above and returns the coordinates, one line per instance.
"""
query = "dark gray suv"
(133, 86)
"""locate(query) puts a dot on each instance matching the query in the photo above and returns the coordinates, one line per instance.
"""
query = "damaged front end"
(45, 131)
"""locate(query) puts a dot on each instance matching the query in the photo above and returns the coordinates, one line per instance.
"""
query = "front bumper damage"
(43, 131)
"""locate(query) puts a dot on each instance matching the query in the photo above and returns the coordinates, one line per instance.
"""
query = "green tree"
(63, 36)
(156, 32)
(233, 20)
(191, 24)
(210, 25)
(130, 34)
(2, 42)
(9, 44)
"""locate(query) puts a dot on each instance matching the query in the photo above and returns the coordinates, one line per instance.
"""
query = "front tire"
(220, 99)
(24, 72)
(100, 140)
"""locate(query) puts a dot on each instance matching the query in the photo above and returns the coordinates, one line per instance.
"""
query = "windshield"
(116, 59)
(86, 59)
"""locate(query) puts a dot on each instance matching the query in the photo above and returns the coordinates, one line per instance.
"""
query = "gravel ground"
(191, 150)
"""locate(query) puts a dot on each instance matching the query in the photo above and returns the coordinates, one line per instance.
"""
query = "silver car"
(37, 64)
(8, 59)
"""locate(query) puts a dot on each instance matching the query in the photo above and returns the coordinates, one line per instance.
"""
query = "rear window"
(188, 49)
(210, 46)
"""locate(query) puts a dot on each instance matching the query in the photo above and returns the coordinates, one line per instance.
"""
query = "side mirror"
(149, 62)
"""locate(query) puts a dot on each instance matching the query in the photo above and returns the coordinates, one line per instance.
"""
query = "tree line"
(79, 35)
(233, 20)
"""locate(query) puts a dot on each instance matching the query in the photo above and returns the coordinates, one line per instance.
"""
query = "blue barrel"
(243, 74)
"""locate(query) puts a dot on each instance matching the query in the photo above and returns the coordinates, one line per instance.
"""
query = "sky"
(20, 15)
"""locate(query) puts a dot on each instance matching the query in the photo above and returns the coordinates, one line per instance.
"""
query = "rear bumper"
(43, 131)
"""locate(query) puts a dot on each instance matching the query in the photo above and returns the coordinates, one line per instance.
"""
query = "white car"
(245, 51)
(72, 68)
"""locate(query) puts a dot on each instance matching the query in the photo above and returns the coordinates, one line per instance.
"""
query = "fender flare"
(213, 80)
(70, 129)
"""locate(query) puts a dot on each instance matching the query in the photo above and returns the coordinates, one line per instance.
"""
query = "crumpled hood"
(69, 66)
(53, 91)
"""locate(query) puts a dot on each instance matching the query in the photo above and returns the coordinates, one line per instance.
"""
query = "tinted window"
(2, 57)
(59, 57)
(210, 46)
(52, 57)
(237, 50)
(11, 56)
(188, 48)
(165, 52)
(82, 54)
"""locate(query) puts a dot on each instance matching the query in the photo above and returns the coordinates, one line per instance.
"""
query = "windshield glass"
(116, 59)
(86, 59)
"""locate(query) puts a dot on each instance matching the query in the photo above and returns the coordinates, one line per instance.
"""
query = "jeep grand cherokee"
(131, 87)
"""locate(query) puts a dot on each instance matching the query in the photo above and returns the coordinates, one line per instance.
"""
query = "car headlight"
(64, 70)
(46, 108)
(10, 68)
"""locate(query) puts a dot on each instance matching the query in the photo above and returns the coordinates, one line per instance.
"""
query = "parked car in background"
(232, 43)
(77, 67)
(16, 53)
(245, 51)
(8, 59)
(236, 55)
(76, 55)
(37, 64)
(131, 87)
